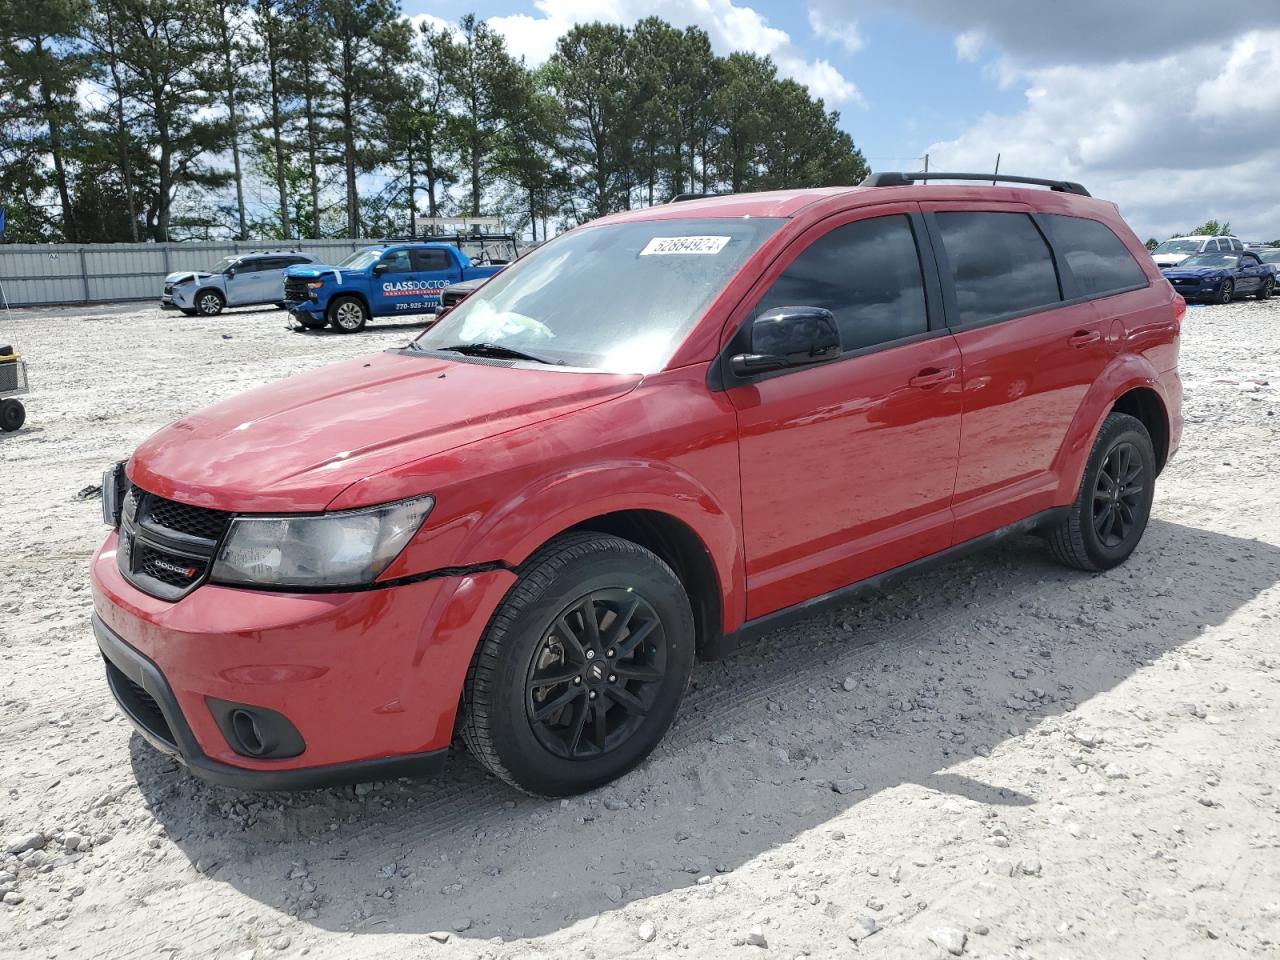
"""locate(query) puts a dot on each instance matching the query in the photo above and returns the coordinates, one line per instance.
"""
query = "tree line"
(126, 120)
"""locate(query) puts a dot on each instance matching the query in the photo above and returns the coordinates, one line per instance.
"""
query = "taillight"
(1179, 312)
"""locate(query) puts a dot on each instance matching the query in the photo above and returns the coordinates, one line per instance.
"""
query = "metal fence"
(52, 273)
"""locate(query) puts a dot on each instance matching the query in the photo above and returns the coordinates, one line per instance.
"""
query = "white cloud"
(1172, 140)
(730, 26)
(833, 27)
(969, 44)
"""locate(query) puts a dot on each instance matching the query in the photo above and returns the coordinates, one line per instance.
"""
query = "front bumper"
(1197, 291)
(370, 680)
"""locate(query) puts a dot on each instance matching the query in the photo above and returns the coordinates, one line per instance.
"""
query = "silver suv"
(236, 281)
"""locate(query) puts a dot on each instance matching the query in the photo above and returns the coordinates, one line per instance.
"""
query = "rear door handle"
(931, 377)
(1082, 338)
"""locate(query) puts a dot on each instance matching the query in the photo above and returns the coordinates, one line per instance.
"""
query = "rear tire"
(1267, 289)
(1113, 504)
(347, 315)
(209, 303)
(610, 684)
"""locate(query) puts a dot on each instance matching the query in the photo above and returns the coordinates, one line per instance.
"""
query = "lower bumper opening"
(139, 705)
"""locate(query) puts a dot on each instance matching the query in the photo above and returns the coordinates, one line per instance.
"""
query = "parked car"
(1270, 255)
(455, 293)
(1172, 252)
(655, 436)
(238, 281)
(396, 280)
(1220, 277)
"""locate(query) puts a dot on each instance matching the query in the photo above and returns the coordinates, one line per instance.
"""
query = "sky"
(1167, 107)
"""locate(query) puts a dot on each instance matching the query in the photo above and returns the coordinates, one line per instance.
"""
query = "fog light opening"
(245, 726)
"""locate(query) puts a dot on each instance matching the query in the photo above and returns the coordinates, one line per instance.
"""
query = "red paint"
(796, 485)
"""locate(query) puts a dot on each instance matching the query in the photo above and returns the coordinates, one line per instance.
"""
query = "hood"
(1194, 271)
(181, 275)
(294, 445)
(1168, 259)
(311, 270)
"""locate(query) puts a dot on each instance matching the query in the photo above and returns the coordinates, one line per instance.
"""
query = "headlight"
(114, 486)
(315, 284)
(343, 549)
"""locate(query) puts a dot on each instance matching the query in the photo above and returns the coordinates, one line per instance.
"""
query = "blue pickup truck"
(386, 280)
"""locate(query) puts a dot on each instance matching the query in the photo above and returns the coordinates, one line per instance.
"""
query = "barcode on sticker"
(667, 245)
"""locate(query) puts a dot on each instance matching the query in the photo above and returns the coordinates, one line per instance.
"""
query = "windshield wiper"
(497, 350)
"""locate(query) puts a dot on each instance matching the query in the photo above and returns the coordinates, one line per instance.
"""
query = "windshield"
(1209, 260)
(1178, 246)
(618, 297)
(361, 259)
(223, 265)
(1269, 256)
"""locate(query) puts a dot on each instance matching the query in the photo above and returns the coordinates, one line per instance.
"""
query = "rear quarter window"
(1098, 259)
(1000, 264)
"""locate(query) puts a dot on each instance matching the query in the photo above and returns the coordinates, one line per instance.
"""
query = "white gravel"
(1001, 758)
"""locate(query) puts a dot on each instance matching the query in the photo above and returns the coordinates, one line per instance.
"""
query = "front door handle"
(1082, 338)
(931, 377)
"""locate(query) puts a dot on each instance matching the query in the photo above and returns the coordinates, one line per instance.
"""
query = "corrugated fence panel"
(33, 274)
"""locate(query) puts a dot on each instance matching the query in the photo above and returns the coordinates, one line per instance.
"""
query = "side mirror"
(379, 269)
(229, 272)
(789, 337)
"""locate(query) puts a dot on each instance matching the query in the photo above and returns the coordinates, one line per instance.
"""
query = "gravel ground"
(1001, 758)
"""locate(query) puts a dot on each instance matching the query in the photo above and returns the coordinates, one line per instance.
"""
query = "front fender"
(1125, 372)
(512, 526)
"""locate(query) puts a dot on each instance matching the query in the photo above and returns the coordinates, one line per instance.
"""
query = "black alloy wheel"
(1267, 289)
(1118, 494)
(1104, 524)
(582, 667)
(596, 673)
(1226, 291)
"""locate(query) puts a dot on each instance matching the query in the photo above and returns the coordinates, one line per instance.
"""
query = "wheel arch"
(1129, 385)
(680, 547)
(348, 294)
(222, 295)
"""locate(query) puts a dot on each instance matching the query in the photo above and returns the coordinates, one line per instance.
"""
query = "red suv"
(660, 433)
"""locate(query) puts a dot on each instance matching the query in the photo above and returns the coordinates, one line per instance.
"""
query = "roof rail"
(682, 197)
(905, 179)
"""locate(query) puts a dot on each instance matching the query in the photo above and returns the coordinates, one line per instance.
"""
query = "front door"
(848, 467)
(250, 284)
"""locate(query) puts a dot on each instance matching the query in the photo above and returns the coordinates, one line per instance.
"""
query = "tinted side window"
(249, 265)
(431, 260)
(275, 263)
(1237, 245)
(1100, 261)
(1000, 264)
(867, 273)
(397, 262)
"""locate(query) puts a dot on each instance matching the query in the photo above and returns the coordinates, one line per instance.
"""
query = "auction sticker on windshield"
(668, 245)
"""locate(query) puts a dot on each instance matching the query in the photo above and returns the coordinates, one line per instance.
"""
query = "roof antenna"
(996, 173)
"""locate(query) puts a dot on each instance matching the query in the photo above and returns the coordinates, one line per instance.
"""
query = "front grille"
(168, 568)
(183, 518)
(139, 704)
(451, 298)
(295, 289)
(166, 548)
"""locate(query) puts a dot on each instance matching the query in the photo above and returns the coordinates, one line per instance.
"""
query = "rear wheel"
(347, 315)
(1267, 289)
(209, 303)
(1226, 291)
(1113, 504)
(581, 669)
(12, 415)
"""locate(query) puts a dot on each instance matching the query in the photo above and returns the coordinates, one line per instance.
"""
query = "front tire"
(1267, 289)
(1226, 291)
(347, 315)
(209, 303)
(1113, 503)
(582, 668)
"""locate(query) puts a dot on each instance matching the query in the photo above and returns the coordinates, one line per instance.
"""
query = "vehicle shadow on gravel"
(891, 693)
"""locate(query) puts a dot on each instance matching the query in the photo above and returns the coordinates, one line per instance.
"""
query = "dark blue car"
(1218, 277)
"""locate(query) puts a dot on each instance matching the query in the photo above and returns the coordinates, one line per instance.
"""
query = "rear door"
(847, 467)
(1029, 356)
(435, 269)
